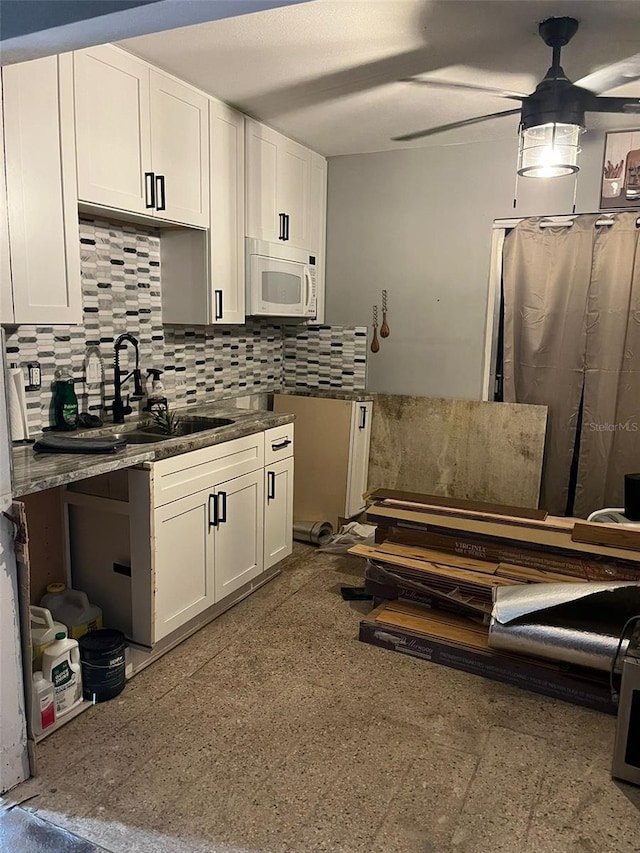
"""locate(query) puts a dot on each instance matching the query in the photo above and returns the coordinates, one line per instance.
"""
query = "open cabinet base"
(453, 641)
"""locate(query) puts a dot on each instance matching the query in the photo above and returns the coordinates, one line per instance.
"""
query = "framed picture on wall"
(621, 170)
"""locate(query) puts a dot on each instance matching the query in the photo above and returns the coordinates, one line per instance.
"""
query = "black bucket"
(103, 664)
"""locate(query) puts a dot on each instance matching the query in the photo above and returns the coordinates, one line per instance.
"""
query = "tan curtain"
(546, 275)
(572, 327)
(610, 440)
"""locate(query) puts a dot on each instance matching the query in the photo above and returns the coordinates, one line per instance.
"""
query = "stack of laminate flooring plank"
(435, 565)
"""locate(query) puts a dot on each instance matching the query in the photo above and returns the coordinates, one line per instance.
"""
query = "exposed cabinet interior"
(41, 194)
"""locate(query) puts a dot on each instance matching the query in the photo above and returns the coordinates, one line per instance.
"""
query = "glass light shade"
(549, 150)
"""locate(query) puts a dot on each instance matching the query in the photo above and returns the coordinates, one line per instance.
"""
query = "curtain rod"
(550, 221)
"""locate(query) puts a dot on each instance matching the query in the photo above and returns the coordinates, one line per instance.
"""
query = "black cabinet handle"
(363, 417)
(271, 485)
(213, 516)
(282, 221)
(218, 304)
(149, 189)
(286, 226)
(281, 445)
(222, 514)
(160, 193)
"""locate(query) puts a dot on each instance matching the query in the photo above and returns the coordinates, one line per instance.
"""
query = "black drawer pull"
(213, 517)
(222, 516)
(281, 445)
(363, 417)
(160, 192)
(149, 190)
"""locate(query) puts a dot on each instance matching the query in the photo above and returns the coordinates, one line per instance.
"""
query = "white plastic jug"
(43, 632)
(43, 704)
(72, 608)
(61, 666)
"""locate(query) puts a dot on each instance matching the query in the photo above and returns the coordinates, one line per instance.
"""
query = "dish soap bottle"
(65, 402)
(156, 401)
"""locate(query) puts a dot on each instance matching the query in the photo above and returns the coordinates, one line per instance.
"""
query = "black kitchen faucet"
(121, 409)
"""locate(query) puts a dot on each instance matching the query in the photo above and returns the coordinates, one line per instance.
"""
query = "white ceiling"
(325, 72)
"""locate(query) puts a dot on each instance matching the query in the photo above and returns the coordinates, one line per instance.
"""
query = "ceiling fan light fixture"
(549, 150)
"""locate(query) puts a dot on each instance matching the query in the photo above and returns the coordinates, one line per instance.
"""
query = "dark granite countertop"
(330, 393)
(35, 472)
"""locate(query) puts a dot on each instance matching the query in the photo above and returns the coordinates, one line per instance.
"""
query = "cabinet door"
(358, 457)
(238, 538)
(278, 512)
(179, 151)
(112, 128)
(318, 226)
(41, 191)
(226, 236)
(184, 562)
(263, 215)
(6, 295)
(294, 189)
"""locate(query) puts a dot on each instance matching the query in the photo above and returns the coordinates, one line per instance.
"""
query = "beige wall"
(418, 222)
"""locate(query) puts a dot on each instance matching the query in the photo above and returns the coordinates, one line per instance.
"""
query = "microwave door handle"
(307, 280)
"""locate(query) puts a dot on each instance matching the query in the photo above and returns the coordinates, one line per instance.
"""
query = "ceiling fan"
(552, 116)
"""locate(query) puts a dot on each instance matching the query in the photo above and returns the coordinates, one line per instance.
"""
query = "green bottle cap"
(61, 635)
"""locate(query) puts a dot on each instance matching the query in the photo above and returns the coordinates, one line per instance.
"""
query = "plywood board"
(489, 452)
(413, 500)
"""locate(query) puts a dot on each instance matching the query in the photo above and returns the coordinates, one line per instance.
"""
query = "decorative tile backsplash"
(121, 281)
(325, 357)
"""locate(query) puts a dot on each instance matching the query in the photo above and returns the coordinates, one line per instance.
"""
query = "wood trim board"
(461, 504)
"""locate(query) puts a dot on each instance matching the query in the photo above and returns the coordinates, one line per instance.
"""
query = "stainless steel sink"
(186, 426)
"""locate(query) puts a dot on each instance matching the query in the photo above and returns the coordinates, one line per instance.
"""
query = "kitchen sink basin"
(186, 426)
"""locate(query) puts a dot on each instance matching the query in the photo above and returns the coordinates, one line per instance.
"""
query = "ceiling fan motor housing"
(555, 100)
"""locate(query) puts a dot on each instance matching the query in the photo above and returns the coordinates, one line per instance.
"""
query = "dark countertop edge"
(87, 467)
(91, 465)
(331, 394)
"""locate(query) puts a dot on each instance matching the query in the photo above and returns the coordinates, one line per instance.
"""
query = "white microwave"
(281, 281)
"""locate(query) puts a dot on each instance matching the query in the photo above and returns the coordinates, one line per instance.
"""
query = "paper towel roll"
(17, 404)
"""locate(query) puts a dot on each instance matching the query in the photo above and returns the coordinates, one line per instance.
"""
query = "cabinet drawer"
(278, 443)
(201, 469)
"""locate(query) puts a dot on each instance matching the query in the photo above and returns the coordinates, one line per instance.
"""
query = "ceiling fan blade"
(625, 71)
(604, 104)
(418, 134)
(501, 93)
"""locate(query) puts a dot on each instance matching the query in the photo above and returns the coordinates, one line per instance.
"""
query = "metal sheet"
(571, 623)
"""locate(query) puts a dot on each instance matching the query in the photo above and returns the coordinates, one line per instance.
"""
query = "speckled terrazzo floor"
(273, 729)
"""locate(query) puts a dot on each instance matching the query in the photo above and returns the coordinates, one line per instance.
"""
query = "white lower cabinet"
(237, 536)
(278, 512)
(184, 562)
(156, 547)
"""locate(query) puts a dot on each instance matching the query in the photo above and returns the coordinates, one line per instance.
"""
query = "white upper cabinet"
(44, 243)
(6, 292)
(142, 138)
(278, 187)
(226, 236)
(112, 129)
(318, 226)
(179, 151)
